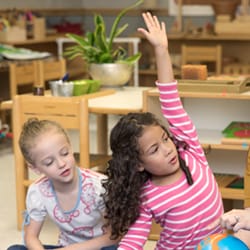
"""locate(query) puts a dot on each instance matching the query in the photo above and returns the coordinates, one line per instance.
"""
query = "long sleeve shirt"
(184, 211)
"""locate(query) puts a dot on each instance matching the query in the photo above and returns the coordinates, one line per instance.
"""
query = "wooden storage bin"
(237, 69)
(13, 34)
(214, 86)
(36, 29)
(39, 30)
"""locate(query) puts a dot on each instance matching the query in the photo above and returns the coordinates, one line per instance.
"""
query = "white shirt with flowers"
(84, 221)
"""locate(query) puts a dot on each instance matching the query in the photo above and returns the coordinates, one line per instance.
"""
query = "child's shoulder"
(92, 174)
(41, 186)
(41, 180)
(93, 179)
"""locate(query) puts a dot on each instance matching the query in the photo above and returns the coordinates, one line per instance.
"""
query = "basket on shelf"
(225, 7)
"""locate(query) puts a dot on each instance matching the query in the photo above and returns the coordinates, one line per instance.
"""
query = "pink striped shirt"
(183, 211)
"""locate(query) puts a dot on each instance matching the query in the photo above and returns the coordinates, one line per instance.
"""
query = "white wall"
(106, 3)
(187, 10)
(40, 4)
(74, 3)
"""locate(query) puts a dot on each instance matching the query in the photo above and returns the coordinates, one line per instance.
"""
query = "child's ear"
(33, 168)
(140, 167)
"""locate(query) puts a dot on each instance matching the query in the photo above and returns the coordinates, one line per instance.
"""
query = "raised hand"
(156, 31)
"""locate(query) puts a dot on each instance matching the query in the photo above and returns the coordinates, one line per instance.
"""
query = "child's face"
(159, 155)
(52, 156)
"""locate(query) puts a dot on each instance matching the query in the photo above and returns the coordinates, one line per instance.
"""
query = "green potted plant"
(104, 59)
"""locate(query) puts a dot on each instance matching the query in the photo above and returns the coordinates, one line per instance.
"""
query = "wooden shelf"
(201, 2)
(202, 37)
(229, 96)
(232, 193)
(234, 49)
(223, 181)
(229, 37)
(225, 147)
(211, 139)
(209, 95)
(47, 39)
(213, 111)
(147, 72)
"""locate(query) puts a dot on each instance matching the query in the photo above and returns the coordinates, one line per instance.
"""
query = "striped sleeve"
(138, 233)
(180, 124)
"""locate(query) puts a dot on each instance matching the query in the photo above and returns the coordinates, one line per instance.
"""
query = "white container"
(60, 88)
(65, 89)
(54, 87)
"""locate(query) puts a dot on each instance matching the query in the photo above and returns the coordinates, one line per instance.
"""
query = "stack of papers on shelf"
(237, 132)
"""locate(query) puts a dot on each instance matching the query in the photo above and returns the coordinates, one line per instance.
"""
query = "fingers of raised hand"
(151, 21)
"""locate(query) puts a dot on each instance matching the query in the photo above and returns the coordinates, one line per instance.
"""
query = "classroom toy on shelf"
(237, 132)
(4, 132)
(10, 33)
(18, 26)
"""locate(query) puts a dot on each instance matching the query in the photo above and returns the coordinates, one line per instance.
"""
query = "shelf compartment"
(232, 193)
(211, 139)
(224, 180)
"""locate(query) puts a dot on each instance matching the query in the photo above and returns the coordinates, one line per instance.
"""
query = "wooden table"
(123, 101)
(119, 101)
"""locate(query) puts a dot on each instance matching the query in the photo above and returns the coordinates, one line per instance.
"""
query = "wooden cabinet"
(76, 67)
(211, 113)
(235, 48)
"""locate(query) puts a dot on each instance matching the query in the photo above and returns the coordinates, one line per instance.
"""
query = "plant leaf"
(121, 29)
(100, 40)
(78, 39)
(96, 47)
(131, 60)
(118, 19)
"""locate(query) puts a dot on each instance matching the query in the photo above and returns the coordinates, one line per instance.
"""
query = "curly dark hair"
(124, 182)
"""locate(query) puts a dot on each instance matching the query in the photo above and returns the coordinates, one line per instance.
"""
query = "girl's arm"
(32, 241)
(156, 35)
(169, 97)
(94, 244)
(31, 236)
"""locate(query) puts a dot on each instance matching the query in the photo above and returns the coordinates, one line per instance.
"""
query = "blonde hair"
(33, 128)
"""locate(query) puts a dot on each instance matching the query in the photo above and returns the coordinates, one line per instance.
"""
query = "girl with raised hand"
(159, 174)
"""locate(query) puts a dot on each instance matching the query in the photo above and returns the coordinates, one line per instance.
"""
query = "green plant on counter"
(98, 47)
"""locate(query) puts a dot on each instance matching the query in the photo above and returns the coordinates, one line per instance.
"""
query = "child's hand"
(156, 33)
(235, 220)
